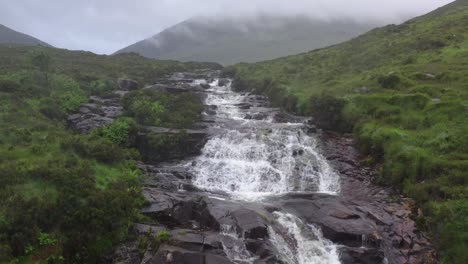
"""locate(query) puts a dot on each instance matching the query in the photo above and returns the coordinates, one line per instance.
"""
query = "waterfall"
(308, 246)
(234, 246)
(255, 160)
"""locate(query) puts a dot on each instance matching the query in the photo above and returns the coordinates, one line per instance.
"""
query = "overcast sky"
(104, 26)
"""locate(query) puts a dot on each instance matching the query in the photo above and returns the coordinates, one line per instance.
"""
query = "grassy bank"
(68, 197)
(403, 91)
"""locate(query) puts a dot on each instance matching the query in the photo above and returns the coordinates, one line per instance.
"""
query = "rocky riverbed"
(260, 186)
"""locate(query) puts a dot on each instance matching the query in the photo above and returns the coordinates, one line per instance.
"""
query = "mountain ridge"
(232, 40)
(11, 36)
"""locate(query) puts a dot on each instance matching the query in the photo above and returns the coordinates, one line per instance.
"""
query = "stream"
(251, 160)
(263, 186)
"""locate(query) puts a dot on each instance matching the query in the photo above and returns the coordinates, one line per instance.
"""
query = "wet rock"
(340, 222)
(261, 248)
(283, 117)
(128, 85)
(187, 239)
(142, 229)
(311, 129)
(84, 110)
(174, 255)
(86, 123)
(223, 82)
(174, 89)
(205, 86)
(298, 152)
(104, 101)
(361, 255)
(244, 106)
(210, 112)
(256, 116)
(249, 224)
(126, 253)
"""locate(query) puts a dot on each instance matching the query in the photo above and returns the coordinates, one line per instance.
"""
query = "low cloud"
(104, 26)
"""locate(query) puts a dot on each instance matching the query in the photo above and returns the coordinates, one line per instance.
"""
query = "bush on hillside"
(327, 112)
(67, 92)
(154, 108)
(121, 132)
(390, 81)
(8, 85)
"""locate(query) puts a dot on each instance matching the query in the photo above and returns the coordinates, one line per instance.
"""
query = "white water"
(250, 162)
(305, 245)
(252, 159)
(234, 246)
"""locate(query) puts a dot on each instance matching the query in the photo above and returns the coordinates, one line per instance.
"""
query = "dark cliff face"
(233, 40)
(10, 36)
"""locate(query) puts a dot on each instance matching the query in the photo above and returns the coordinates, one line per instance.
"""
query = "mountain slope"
(233, 40)
(403, 92)
(70, 197)
(9, 36)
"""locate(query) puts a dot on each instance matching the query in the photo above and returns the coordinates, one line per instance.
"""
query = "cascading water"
(255, 158)
(234, 246)
(306, 244)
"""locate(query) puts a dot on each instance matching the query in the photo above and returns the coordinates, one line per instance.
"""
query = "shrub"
(41, 59)
(67, 92)
(327, 112)
(164, 236)
(121, 132)
(101, 87)
(390, 81)
(51, 109)
(94, 148)
(8, 86)
(154, 108)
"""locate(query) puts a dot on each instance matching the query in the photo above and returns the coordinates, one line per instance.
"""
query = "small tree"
(41, 59)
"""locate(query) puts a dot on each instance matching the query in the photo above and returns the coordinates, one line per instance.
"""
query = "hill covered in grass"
(68, 197)
(403, 92)
(10, 36)
(245, 39)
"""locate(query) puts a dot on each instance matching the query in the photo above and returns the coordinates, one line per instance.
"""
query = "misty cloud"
(104, 26)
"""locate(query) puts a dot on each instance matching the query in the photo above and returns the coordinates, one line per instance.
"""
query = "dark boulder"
(174, 255)
(340, 221)
(249, 224)
(361, 255)
(283, 117)
(174, 89)
(244, 106)
(128, 85)
(256, 116)
(223, 82)
(205, 86)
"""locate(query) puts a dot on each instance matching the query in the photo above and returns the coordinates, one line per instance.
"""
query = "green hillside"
(234, 40)
(9, 36)
(68, 197)
(403, 91)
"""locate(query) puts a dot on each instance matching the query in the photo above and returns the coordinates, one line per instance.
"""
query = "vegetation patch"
(68, 197)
